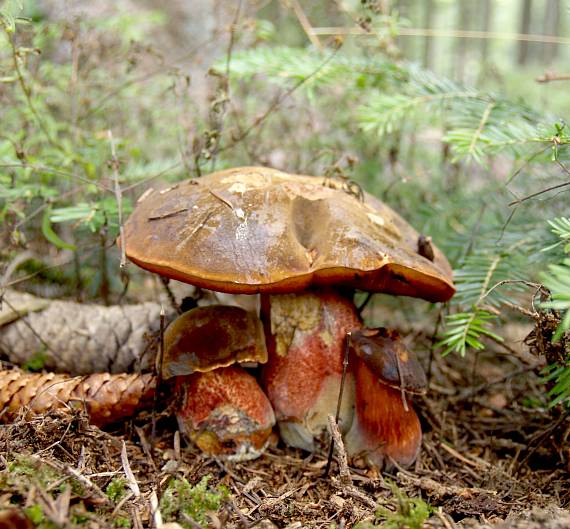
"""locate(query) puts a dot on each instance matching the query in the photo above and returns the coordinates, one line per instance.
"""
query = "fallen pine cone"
(105, 397)
(78, 338)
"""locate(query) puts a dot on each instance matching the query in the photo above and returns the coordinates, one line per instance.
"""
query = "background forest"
(453, 112)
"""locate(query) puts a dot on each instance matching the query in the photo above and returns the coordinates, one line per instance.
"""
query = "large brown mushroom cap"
(254, 229)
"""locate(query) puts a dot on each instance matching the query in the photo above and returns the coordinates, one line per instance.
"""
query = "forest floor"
(492, 450)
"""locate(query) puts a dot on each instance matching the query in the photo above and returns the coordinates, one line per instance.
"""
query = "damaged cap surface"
(254, 229)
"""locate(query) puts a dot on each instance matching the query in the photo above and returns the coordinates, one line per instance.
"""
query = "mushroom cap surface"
(254, 229)
(386, 356)
(206, 338)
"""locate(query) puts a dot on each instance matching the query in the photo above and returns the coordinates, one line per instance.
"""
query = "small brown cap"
(383, 351)
(253, 229)
(206, 338)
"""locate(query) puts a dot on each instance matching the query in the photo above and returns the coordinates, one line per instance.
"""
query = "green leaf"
(51, 236)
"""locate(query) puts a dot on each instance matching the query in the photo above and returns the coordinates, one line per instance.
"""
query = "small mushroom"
(221, 409)
(385, 428)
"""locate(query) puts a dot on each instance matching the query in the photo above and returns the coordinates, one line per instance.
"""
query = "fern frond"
(557, 280)
(464, 330)
(561, 227)
(560, 392)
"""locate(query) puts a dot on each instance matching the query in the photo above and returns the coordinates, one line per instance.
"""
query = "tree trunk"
(429, 17)
(526, 14)
(551, 26)
(487, 15)
(464, 8)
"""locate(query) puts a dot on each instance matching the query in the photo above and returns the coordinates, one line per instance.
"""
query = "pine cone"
(106, 398)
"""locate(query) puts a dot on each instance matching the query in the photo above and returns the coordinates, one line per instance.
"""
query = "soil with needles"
(491, 450)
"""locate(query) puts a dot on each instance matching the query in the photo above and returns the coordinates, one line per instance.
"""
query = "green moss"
(37, 517)
(411, 513)
(196, 501)
(116, 489)
(36, 363)
(24, 469)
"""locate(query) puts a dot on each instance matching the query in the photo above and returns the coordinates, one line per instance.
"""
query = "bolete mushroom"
(221, 407)
(257, 230)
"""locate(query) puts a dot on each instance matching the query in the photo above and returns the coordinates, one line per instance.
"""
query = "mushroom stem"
(383, 430)
(305, 336)
(225, 413)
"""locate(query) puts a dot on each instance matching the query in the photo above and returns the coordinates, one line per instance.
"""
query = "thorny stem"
(339, 401)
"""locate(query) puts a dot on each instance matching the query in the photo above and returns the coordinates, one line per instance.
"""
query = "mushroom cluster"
(305, 245)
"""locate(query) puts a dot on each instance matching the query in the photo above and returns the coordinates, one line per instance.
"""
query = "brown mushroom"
(385, 428)
(222, 409)
(257, 230)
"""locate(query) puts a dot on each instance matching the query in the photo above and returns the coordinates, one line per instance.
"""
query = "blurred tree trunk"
(551, 26)
(461, 43)
(487, 15)
(429, 17)
(405, 44)
(524, 28)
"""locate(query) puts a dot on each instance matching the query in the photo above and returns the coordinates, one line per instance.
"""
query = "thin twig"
(277, 102)
(538, 193)
(344, 472)
(191, 522)
(118, 198)
(131, 481)
(29, 326)
(155, 511)
(57, 172)
(305, 24)
(158, 367)
(171, 297)
(538, 441)
(339, 401)
(547, 77)
(445, 33)
(444, 519)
